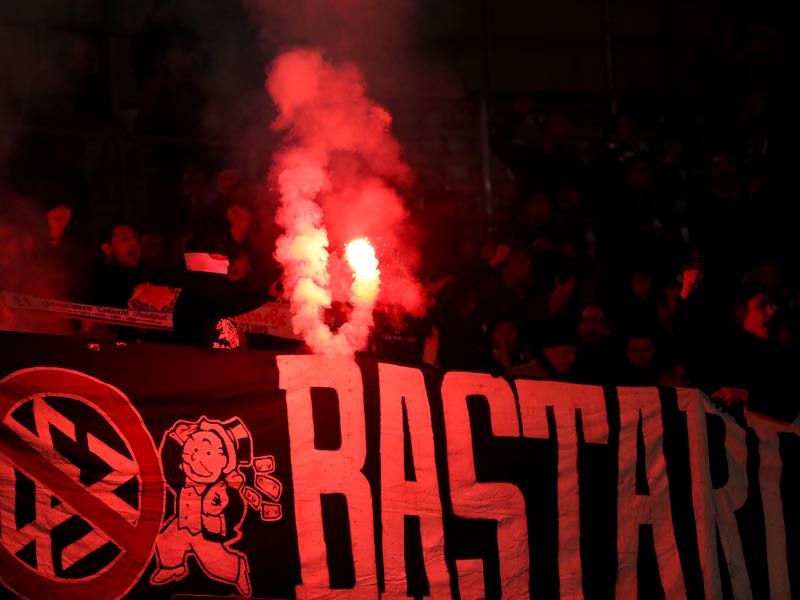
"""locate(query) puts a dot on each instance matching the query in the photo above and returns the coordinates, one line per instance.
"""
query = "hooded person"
(558, 349)
(209, 299)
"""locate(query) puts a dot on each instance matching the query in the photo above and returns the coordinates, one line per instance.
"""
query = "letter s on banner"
(502, 502)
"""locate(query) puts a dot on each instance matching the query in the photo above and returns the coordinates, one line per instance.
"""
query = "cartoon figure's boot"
(243, 579)
(161, 576)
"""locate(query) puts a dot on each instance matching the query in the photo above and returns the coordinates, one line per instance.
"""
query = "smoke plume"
(381, 37)
(337, 175)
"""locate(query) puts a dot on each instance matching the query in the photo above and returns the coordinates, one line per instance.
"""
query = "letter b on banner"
(316, 472)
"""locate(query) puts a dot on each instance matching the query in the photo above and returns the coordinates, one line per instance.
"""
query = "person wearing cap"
(209, 299)
(556, 356)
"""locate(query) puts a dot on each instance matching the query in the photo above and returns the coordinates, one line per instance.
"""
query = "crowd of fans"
(620, 271)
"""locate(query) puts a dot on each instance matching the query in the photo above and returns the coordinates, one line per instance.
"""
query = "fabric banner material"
(147, 471)
(274, 318)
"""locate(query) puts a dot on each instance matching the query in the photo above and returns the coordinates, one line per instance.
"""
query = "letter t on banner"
(634, 509)
(769, 477)
(400, 497)
(316, 472)
(715, 508)
(565, 398)
(502, 502)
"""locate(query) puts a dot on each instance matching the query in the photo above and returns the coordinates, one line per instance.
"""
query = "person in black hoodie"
(732, 358)
(555, 356)
(114, 279)
(120, 270)
(594, 363)
(208, 299)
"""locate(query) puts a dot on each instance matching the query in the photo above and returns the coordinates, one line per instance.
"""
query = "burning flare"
(336, 174)
(361, 258)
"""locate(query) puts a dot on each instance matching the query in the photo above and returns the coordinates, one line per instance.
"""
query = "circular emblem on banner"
(81, 487)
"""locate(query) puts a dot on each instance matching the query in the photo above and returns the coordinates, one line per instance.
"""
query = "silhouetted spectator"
(637, 227)
(725, 341)
(119, 270)
(672, 373)
(634, 301)
(622, 144)
(594, 363)
(462, 343)
(550, 164)
(638, 363)
(719, 219)
(507, 290)
(507, 351)
(557, 350)
(209, 299)
(538, 228)
(399, 338)
(167, 60)
(230, 218)
(65, 252)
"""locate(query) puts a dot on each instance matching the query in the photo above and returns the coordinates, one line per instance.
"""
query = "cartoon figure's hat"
(237, 440)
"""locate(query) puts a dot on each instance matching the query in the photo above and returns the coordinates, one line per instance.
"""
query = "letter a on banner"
(316, 472)
(502, 502)
(404, 386)
(643, 404)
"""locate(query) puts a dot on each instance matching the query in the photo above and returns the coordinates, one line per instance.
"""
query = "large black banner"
(161, 471)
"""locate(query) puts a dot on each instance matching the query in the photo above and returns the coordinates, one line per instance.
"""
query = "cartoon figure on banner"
(205, 464)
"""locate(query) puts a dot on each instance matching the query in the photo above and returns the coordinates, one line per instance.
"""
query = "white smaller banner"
(273, 318)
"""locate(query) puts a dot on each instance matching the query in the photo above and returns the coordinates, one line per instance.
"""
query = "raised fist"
(57, 220)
